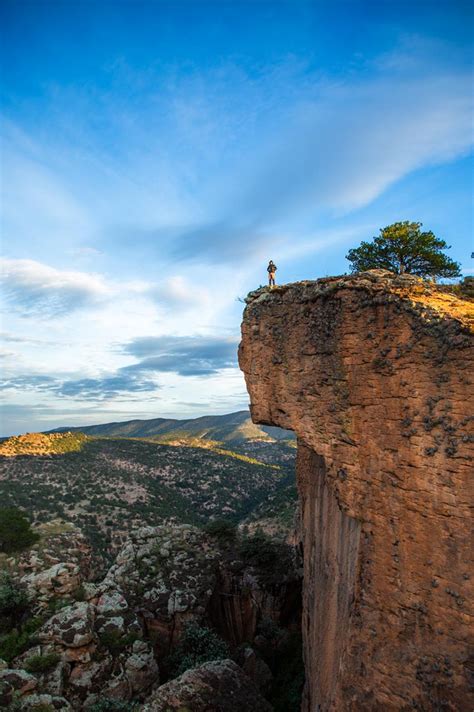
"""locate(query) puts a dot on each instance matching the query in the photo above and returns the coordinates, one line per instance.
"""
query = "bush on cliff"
(107, 704)
(40, 664)
(271, 558)
(15, 531)
(224, 530)
(198, 645)
(13, 599)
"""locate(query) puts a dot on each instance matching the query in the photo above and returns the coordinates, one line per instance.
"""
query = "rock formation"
(112, 642)
(373, 373)
(221, 686)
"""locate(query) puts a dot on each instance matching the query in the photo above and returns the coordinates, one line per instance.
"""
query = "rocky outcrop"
(57, 566)
(220, 686)
(87, 651)
(373, 373)
(110, 645)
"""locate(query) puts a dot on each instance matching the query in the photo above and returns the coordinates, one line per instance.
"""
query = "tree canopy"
(15, 530)
(404, 249)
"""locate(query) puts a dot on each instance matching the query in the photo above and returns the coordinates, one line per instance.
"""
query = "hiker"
(271, 269)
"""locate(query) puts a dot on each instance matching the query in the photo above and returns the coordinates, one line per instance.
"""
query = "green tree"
(404, 249)
(197, 645)
(15, 531)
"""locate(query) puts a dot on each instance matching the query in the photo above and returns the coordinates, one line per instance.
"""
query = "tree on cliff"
(404, 249)
(15, 531)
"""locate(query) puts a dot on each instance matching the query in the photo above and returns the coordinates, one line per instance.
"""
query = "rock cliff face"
(373, 373)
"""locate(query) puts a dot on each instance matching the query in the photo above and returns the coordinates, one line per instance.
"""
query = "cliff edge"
(373, 372)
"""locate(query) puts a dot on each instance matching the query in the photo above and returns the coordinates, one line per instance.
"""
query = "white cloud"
(35, 288)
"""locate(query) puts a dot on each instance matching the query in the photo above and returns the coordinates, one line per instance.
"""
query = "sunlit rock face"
(373, 373)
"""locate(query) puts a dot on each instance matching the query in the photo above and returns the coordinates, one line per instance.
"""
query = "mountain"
(231, 428)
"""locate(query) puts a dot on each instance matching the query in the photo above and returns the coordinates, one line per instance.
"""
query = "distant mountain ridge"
(230, 428)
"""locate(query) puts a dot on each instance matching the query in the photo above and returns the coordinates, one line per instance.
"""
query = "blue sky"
(155, 155)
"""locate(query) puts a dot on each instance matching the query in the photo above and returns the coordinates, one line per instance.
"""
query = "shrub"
(222, 529)
(19, 639)
(15, 531)
(109, 705)
(41, 663)
(272, 559)
(116, 642)
(198, 645)
(13, 599)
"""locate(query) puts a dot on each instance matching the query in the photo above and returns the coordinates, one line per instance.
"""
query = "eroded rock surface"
(111, 644)
(219, 686)
(374, 374)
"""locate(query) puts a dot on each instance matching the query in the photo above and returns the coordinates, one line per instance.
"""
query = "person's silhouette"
(271, 269)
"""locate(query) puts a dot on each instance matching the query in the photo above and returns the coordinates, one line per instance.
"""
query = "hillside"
(112, 486)
(42, 444)
(231, 428)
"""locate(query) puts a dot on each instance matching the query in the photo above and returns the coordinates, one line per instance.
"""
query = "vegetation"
(463, 289)
(13, 599)
(40, 664)
(42, 444)
(19, 638)
(15, 531)
(271, 558)
(110, 705)
(198, 645)
(111, 487)
(404, 249)
(224, 530)
(116, 642)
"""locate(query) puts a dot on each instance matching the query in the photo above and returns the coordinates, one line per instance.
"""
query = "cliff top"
(434, 298)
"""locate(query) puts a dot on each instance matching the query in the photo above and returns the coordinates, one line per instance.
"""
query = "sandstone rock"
(15, 682)
(72, 627)
(220, 686)
(111, 602)
(34, 702)
(166, 590)
(373, 373)
(60, 580)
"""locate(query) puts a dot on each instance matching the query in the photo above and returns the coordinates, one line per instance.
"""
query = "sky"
(155, 155)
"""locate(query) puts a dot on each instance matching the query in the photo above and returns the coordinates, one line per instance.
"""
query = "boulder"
(15, 683)
(220, 686)
(72, 627)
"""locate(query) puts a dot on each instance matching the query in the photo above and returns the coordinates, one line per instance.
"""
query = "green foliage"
(224, 530)
(41, 663)
(19, 639)
(79, 593)
(403, 248)
(268, 629)
(463, 289)
(271, 558)
(13, 599)
(283, 653)
(198, 645)
(15, 531)
(116, 642)
(109, 705)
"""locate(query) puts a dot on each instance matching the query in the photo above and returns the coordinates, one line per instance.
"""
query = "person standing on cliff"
(271, 269)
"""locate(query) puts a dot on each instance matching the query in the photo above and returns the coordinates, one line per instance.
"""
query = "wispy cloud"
(88, 389)
(185, 355)
(34, 288)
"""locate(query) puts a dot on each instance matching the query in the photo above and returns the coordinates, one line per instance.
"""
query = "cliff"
(373, 374)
